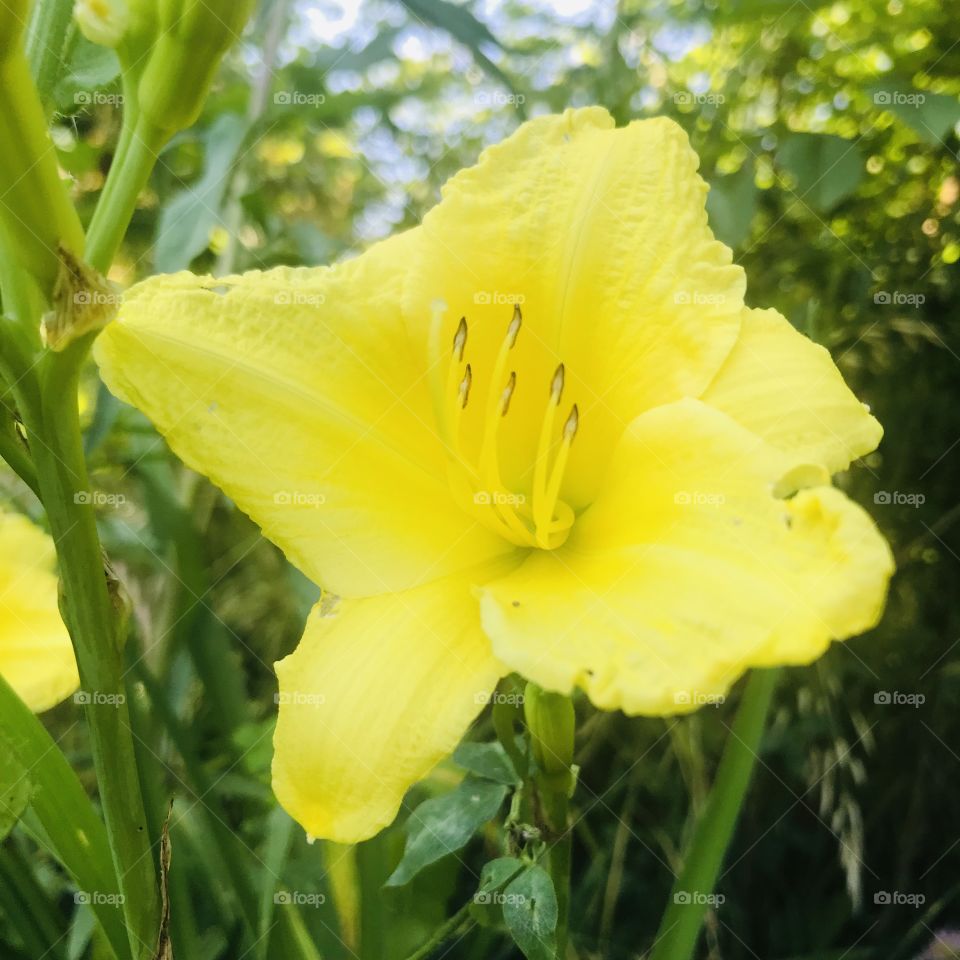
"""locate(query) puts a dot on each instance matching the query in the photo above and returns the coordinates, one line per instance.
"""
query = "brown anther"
(556, 385)
(460, 339)
(513, 331)
(464, 391)
(508, 393)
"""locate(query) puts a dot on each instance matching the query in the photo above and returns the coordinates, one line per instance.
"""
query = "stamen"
(460, 340)
(556, 385)
(463, 396)
(507, 394)
(573, 422)
(439, 387)
(497, 407)
(489, 466)
(556, 479)
(543, 447)
(513, 331)
(449, 400)
(463, 391)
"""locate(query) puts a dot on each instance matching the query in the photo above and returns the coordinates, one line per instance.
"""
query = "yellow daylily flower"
(36, 657)
(540, 432)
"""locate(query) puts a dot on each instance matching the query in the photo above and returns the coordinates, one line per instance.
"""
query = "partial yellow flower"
(540, 432)
(36, 657)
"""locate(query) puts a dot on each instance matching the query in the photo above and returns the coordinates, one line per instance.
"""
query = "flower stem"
(552, 723)
(444, 932)
(560, 861)
(136, 156)
(94, 620)
(680, 926)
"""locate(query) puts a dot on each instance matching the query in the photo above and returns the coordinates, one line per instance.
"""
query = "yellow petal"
(373, 698)
(36, 657)
(787, 389)
(687, 571)
(600, 235)
(294, 390)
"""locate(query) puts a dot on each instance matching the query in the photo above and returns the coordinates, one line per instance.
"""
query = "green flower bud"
(13, 20)
(551, 721)
(134, 47)
(193, 36)
(102, 21)
(35, 211)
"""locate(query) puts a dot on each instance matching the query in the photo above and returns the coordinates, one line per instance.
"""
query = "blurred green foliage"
(828, 132)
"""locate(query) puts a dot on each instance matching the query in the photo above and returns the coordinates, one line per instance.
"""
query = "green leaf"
(61, 817)
(827, 168)
(91, 68)
(462, 25)
(932, 115)
(380, 48)
(496, 873)
(731, 203)
(15, 790)
(443, 825)
(487, 901)
(186, 221)
(47, 42)
(530, 913)
(486, 760)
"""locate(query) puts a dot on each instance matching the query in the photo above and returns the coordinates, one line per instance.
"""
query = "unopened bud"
(102, 21)
(192, 37)
(551, 721)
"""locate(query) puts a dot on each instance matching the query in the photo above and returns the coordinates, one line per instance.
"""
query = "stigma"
(537, 517)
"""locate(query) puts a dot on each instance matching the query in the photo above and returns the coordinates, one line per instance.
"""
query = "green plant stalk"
(95, 627)
(129, 173)
(461, 918)
(556, 807)
(680, 926)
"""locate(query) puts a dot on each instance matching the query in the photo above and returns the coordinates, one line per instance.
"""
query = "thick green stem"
(561, 856)
(95, 626)
(680, 927)
(552, 723)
